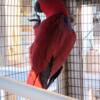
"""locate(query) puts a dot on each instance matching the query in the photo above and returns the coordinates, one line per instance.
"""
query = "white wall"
(87, 27)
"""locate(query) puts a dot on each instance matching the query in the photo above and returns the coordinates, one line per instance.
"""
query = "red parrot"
(54, 40)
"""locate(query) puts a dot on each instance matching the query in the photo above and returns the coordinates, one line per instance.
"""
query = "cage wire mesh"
(80, 76)
(83, 81)
(16, 36)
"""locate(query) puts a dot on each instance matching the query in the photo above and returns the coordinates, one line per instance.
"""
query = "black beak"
(35, 18)
(37, 7)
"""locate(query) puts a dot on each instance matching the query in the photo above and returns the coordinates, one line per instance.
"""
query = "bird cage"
(80, 76)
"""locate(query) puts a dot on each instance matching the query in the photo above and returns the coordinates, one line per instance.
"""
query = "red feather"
(54, 38)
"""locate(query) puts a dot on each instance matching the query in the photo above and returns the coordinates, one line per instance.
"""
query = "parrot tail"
(44, 76)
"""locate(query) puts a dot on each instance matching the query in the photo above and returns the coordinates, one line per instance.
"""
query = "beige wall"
(2, 34)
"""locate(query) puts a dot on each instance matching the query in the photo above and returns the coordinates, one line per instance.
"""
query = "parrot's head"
(50, 7)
